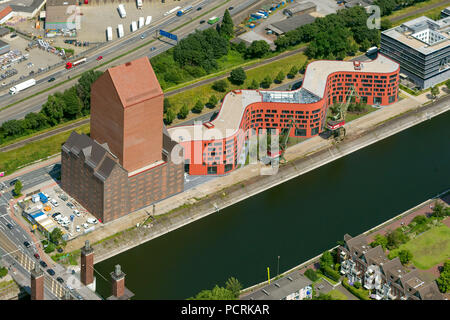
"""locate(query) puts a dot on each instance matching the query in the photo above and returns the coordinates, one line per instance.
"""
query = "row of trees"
(388, 6)
(334, 36)
(229, 292)
(60, 107)
(170, 115)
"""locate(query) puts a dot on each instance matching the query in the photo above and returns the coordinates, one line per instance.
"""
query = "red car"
(36, 255)
(99, 58)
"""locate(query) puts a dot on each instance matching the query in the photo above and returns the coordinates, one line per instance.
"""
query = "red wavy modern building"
(214, 147)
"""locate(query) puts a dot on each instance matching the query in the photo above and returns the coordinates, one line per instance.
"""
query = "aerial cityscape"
(247, 150)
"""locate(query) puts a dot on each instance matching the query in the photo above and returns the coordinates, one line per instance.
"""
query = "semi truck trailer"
(22, 86)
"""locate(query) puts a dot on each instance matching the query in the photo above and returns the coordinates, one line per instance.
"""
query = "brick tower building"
(126, 162)
(87, 264)
(37, 283)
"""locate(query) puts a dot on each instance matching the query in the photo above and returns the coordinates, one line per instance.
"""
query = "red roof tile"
(5, 12)
(135, 81)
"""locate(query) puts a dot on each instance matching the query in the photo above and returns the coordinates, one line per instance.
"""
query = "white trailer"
(109, 35)
(148, 20)
(122, 12)
(133, 26)
(139, 4)
(120, 30)
(22, 86)
(141, 22)
(172, 10)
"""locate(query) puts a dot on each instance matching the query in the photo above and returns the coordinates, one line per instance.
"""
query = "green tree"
(253, 85)
(234, 286)
(56, 236)
(50, 248)
(311, 274)
(237, 76)
(220, 85)
(380, 240)
(184, 111)
(439, 210)
(395, 238)
(72, 104)
(323, 296)
(293, 72)
(405, 256)
(365, 45)
(280, 77)
(326, 259)
(217, 293)
(3, 272)
(257, 49)
(443, 281)
(267, 81)
(198, 107)
(53, 109)
(435, 91)
(83, 88)
(357, 285)
(447, 84)
(385, 24)
(169, 117)
(227, 26)
(212, 102)
(167, 104)
(18, 188)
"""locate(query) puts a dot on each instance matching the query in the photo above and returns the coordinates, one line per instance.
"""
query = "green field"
(414, 8)
(13, 160)
(337, 295)
(430, 248)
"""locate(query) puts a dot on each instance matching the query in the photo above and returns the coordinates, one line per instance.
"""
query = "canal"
(296, 220)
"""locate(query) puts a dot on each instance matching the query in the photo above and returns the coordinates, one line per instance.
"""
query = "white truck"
(109, 34)
(141, 22)
(148, 20)
(139, 4)
(133, 26)
(22, 86)
(122, 12)
(120, 30)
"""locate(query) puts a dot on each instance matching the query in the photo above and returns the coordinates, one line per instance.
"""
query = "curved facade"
(213, 148)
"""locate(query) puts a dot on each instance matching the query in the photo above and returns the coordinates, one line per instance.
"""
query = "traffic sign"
(168, 35)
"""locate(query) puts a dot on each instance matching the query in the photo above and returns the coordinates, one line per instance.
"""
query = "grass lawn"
(430, 248)
(433, 14)
(337, 295)
(12, 160)
(414, 8)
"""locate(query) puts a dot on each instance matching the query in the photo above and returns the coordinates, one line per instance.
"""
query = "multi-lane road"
(186, 24)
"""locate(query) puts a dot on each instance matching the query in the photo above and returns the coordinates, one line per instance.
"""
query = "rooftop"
(422, 34)
(234, 104)
(281, 288)
(291, 23)
(135, 81)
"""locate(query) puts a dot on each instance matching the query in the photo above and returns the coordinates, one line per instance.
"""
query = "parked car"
(92, 220)
(60, 250)
(78, 228)
(27, 244)
(54, 202)
(99, 58)
(55, 214)
(60, 280)
(63, 197)
(85, 225)
(51, 79)
(199, 8)
(70, 205)
(77, 213)
(13, 182)
(9, 225)
(36, 255)
(51, 272)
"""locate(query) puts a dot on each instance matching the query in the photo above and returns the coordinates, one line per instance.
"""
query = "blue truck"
(43, 198)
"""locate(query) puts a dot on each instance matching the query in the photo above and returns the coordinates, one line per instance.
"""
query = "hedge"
(329, 272)
(360, 293)
(312, 275)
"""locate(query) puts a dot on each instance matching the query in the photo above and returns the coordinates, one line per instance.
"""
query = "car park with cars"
(43, 264)
(51, 272)
(27, 244)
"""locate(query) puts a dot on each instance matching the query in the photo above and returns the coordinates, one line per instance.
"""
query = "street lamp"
(278, 267)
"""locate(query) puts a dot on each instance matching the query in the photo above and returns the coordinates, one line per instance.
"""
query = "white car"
(78, 228)
(54, 202)
(85, 225)
(92, 220)
(77, 213)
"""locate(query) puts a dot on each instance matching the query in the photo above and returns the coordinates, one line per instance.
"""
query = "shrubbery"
(312, 275)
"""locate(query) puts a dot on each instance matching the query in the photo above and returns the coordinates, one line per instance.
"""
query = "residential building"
(126, 164)
(422, 48)
(293, 286)
(387, 279)
(216, 146)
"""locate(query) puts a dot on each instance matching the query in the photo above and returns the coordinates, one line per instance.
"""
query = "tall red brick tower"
(127, 113)
(37, 283)
(118, 282)
(87, 264)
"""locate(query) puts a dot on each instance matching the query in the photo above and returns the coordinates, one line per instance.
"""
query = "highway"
(115, 49)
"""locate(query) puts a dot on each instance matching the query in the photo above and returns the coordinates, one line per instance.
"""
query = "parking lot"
(36, 59)
(94, 30)
(67, 213)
